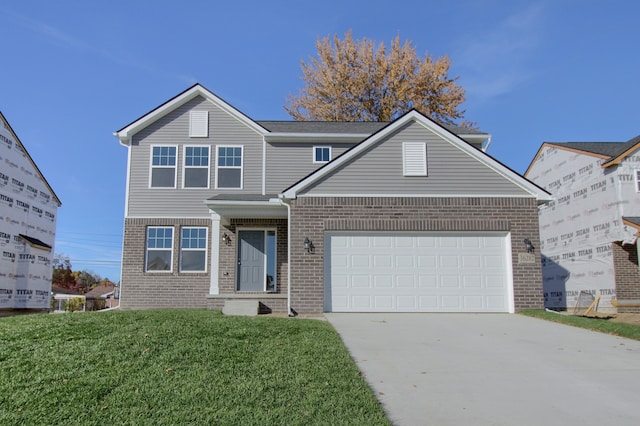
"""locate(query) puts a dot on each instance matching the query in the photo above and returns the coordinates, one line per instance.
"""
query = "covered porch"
(249, 251)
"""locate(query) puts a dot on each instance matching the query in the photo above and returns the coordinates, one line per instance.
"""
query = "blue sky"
(73, 72)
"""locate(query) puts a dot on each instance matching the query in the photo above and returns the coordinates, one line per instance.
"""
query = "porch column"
(215, 253)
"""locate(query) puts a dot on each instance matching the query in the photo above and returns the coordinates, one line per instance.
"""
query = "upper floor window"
(199, 124)
(193, 250)
(637, 180)
(321, 154)
(159, 250)
(196, 167)
(229, 167)
(163, 166)
(414, 159)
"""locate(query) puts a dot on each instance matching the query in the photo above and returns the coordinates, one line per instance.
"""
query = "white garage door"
(436, 272)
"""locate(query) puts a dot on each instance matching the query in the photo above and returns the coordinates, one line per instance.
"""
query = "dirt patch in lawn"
(627, 318)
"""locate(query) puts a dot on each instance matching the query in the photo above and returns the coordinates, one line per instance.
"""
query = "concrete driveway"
(493, 369)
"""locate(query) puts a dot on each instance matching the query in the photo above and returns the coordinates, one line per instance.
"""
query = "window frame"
(204, 249)
(218, 167)
(185, 167)
(152, 167)
(315, 153)
(147, 250)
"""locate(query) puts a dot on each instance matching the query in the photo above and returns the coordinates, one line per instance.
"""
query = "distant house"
(589, 232)
(28, 212)
(407, 216)
(101, 297)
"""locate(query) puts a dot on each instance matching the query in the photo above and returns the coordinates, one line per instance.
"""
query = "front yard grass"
(630, 331)
(171, 367)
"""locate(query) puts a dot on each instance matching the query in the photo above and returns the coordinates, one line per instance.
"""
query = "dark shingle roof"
(601, 148)
(344, 127)
(633, 219)
(612, 149)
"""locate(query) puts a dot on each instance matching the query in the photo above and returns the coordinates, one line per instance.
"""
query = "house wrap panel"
(288, 162)
(173, 129)
(27, 207)
(578, 228)
(451, 171)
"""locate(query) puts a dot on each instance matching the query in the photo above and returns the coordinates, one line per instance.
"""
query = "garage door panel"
(417, 273)
(404, 261)
(405, 281)
(382, 261)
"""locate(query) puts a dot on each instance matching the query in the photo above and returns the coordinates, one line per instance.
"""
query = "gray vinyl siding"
(287, 163)
(173, 129)
(451, 171)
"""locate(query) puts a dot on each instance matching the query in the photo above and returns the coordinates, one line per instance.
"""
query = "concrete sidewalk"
(493, 369)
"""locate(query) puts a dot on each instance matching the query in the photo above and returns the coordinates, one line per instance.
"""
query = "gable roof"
(33, 163)
(125, 134)
(540, 194)
(612, 152)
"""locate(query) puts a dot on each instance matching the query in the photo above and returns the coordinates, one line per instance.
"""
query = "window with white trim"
(321, 154)
(229, 167)
(637, 180)
(414, 159)
(163, 167)
(198, 124)
(196, 167)
(193, 249)
(159, 249)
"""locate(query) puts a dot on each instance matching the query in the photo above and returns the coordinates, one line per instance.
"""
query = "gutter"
(288, 206)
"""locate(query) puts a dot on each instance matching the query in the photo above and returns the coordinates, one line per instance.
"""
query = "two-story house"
(588, 233)
(28, 212)
(306, 217)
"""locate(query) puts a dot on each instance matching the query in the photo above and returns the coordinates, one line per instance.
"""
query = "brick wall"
(313, 216)
(625, 263)
(144, 290)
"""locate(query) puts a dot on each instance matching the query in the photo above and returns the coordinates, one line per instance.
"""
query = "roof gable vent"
(414, 159)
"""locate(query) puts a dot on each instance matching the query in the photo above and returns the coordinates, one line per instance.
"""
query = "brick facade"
(144, 290)
(625, 262)
(311, 217)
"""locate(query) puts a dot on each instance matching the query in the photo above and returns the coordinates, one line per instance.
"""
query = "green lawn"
(178, 367)
(630, 331)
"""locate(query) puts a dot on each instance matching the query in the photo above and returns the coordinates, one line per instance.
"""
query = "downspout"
(284, 203)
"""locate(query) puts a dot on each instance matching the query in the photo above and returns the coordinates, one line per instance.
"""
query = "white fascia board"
(316, 137)
(125, 134)
(248, 209)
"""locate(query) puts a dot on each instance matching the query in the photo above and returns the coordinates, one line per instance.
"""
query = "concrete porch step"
(247, 308)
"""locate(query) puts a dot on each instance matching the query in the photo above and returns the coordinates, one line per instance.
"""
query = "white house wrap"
(28, 211)
(578, 228)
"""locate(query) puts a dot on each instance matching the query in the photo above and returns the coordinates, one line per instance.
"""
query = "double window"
(229, 167)
(321, 154)
(159, 249)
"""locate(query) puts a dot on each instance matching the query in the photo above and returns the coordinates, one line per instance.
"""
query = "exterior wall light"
(308, 245)
(226, 238)
(529, 246)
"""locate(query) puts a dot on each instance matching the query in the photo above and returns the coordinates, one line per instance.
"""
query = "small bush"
(74, 305)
